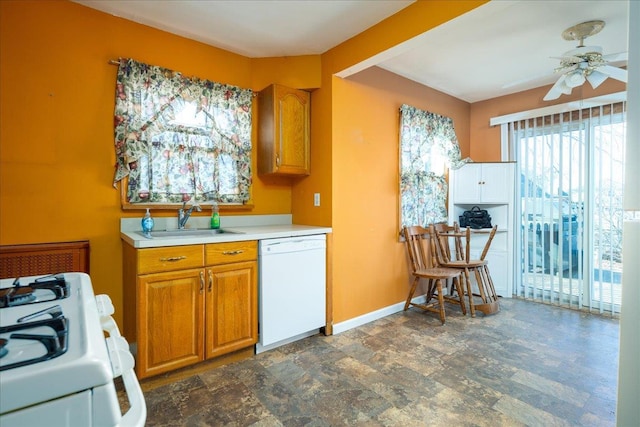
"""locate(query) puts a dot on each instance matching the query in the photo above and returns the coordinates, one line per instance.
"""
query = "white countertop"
(131, 234)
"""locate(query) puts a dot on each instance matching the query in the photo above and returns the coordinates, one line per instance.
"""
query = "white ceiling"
(499, 48)
(258, 28)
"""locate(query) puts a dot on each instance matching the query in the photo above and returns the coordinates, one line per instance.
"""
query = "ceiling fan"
(585, 63)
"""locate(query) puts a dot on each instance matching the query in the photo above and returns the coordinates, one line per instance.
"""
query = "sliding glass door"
(571, 169)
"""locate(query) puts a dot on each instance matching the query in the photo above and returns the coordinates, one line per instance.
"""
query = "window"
(181, 139)
(427, 144)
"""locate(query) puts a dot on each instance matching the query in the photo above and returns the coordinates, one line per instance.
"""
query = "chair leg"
(481, 284)
(431, 289)
(458, 286)
(411, 292)
(492, 289)
(472, 307)
(440, 299)
(490, 303)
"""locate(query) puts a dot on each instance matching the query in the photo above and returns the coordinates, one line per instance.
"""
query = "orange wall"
(304, 72)
(56, 132)
(360, 158)
(369, 262)
(300, 72)
(56, 142)
(412, 21)
(485, 140)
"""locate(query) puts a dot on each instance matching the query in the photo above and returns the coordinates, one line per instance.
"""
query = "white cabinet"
(483, 183)
(491, 186)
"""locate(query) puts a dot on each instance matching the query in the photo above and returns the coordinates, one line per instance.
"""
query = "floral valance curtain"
(425, 139)
(180, 138)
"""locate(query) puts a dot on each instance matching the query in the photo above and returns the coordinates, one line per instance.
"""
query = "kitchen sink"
(187, 232)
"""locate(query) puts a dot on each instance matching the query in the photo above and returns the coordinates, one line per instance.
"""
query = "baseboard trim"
(374, 315)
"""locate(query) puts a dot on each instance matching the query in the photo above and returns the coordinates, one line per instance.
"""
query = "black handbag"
(475, 218)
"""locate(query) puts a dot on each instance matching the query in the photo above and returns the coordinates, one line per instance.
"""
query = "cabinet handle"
(232, 252)
(173, 258)
(201, 281)
(210, 280)
(277, 160)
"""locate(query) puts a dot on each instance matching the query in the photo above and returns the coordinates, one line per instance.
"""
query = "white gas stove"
(57, 365)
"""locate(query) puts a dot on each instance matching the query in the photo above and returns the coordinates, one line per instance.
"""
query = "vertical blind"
(571, 177)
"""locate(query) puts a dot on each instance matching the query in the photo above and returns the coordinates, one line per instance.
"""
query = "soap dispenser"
(147, 223)
(215, 216)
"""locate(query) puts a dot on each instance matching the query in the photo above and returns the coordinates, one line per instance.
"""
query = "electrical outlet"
(316, 199)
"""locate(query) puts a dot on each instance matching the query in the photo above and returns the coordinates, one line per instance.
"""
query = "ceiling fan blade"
(615, 57)
(557, 89)
(614, 72)
(596, 78)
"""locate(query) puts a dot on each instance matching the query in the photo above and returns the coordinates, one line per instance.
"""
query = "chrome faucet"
(183, 215)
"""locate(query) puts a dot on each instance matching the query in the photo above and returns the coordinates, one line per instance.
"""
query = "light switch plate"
(316, 199)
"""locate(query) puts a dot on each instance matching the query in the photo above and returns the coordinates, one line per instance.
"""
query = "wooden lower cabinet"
(231, 308)
(171, 327)
(181, 316)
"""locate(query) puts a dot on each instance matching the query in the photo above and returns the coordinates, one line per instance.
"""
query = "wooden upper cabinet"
(283, 138)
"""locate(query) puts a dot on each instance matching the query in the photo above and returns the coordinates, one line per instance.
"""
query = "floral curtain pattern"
(179, 138)
(425, 140)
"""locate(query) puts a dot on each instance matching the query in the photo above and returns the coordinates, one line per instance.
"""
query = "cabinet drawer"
(169, 258)
(224, 253)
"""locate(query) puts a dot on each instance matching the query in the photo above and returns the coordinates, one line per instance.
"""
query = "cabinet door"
(231, 307)
(292, 134)
(171, 315)
(467, 183)
(283, 131)
(496, 182)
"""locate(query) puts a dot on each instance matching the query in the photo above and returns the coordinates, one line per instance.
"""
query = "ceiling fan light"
(574, 79)
(595, 78)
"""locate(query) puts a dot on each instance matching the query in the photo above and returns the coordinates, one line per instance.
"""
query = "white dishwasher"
(292, 292)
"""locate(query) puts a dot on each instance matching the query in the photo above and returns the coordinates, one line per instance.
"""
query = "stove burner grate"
(55, 344)
(53, 286)
(18, 295)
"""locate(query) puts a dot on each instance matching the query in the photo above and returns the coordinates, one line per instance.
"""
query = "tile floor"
(530, 364)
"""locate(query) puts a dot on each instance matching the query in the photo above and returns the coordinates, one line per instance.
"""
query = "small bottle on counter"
(215, 216)
(147, 222)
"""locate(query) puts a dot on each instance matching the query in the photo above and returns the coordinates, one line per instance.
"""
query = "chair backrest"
(443, 251)
(415, 240)
(488, 244)
(442, 229)
(438, 251)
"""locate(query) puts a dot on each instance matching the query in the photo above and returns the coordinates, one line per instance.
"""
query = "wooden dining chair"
(486, 291)
(421, 263)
